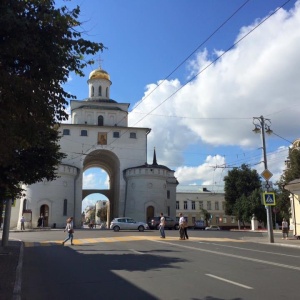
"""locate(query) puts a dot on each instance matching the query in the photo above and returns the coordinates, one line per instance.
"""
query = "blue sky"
(226, 66)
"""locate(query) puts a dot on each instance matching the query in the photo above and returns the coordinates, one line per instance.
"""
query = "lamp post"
(262, 125)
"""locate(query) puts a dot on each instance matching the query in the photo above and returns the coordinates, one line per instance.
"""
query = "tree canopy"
(240, 182)
(40, 45)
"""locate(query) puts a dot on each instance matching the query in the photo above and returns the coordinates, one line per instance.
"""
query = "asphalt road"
(140, 265)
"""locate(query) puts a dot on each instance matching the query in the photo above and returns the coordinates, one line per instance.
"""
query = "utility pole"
(262, 127)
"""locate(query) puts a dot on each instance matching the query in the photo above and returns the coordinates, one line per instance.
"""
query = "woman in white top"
(70, 230)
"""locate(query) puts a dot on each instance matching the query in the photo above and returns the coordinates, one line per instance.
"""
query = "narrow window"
(116, 134)
(66, 132)
(200, 204)
(193, 205)
(208, 205)
(185, 205)
(83, 133)
(65, 211)
(177, 204)
(100, 121)
(168, 194)
(92, 92)
(24, 204)
(100, 91)
(217, 205)
(132, 135)
(107, 92)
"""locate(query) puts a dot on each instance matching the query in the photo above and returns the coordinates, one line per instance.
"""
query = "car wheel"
(116, 228)
(141, 228)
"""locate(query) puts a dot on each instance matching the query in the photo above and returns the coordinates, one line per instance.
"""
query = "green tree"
(40, 45)
(239, 182)
(206, 215)
(292, 172)
(102, 213)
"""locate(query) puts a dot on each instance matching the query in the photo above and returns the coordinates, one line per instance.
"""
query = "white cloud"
(259, 76)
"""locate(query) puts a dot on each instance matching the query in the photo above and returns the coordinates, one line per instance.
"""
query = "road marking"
(86, 241)
(135, 251)
(229, 281)
(231, 255)
(240, 248)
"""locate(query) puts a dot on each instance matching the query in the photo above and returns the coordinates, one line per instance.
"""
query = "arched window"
(92, 92)
(100, 91)
(100, 121)
(24, 204)
(65, 208)
(107, 92)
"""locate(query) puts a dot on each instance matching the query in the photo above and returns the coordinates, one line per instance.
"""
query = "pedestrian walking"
(285, 229)
(162, 226)
(185, 227)
(181, 227)
(22, 223)
(70, 229)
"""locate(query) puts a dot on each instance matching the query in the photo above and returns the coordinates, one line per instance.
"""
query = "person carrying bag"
(70, 229)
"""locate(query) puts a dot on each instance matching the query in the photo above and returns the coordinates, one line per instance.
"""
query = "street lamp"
(262, 125)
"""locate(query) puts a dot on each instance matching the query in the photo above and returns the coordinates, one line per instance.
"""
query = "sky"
(197, 72)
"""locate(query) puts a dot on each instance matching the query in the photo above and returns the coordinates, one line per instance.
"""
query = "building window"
(168, 194)
(107, 95)
(232, 220)
(177, 204)
(184, 204)
(83, 133)
(66, 132)
(116, 134)
(100, 121)
(224, 220)
(217, 220)
(217, 205)
(193, 205)
(208, 205)
(25, 204)
(65, 209)
(132, 135)
(200, 204)
(100, 91)
(92, 91)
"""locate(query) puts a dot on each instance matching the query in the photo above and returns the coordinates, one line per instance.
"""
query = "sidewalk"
(11, 258)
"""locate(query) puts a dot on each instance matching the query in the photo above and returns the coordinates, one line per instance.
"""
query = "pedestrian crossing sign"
(269, 199)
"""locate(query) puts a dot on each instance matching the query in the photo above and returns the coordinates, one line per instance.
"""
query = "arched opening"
(44, 214)
(101, 180)
(100, 121)
(149, 213)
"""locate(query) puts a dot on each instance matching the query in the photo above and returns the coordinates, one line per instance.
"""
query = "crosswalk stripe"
(125, 239)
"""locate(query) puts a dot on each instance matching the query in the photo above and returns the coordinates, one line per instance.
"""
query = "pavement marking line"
(135, 251)
(229, 281)
(240, 248)
(232, 255)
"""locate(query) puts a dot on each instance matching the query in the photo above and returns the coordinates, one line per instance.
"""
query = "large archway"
(109, 162)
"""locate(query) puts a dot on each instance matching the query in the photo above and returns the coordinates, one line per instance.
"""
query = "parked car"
(212, 227)
(199, 225)
(127, 224)
(170, 223)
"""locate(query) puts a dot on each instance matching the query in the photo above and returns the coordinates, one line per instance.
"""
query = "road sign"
(269, 199)
(267, 186)
(266, 174)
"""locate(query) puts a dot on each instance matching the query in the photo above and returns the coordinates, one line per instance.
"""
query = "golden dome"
(99, 74)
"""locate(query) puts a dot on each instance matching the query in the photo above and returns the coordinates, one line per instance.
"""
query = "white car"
(127, 224)
(212, 227)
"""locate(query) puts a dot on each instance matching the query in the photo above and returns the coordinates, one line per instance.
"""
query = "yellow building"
(190, 204)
